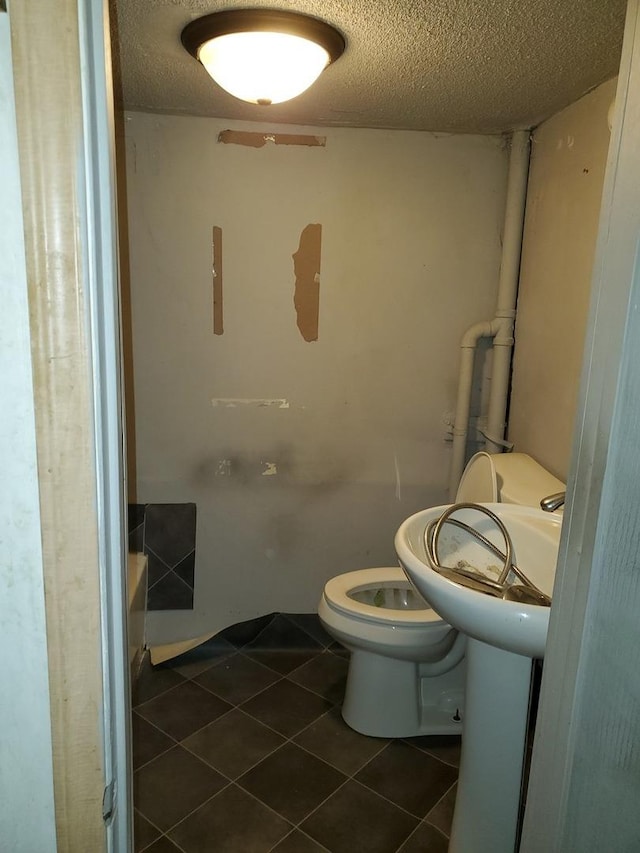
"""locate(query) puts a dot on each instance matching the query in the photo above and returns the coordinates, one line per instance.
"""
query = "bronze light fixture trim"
(258, 55)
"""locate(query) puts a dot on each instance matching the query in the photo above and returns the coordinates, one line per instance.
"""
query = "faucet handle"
(553, 502)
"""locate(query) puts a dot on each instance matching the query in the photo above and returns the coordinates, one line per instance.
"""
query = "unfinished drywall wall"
(303, 456)
(568, 161)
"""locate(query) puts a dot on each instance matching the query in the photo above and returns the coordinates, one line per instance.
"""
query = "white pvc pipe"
(508, 289)
(513, 221)
(501, 327)
(465, 379)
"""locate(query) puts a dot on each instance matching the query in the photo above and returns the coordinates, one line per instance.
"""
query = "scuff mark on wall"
(253, 139)
(218, 318)
(231, 467)
(234, 402)
(398, 483)
(306, 267)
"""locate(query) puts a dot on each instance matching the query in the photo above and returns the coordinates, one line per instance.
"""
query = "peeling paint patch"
(223, 468)
(306, 267)
(270, 469)
(252, 139)
(260, 403)
(218, 319)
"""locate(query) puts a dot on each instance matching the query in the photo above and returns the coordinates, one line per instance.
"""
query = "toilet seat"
(337, 596)
(479, 481)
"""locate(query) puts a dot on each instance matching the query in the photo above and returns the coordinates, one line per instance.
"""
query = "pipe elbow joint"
(472, 336)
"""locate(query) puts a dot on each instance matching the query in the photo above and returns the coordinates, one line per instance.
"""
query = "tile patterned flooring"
(239, 747)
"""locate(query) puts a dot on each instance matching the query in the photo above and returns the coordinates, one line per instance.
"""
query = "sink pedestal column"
(493, 747)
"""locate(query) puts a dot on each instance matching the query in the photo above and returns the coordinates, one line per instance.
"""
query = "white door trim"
(101, 256)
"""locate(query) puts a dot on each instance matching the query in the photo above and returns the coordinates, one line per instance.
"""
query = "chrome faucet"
(553, 502)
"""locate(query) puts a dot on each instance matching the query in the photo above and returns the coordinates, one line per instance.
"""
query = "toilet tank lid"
(478, 483)
(522, 480)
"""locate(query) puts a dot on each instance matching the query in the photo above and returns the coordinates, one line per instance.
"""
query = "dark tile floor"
(239, 747)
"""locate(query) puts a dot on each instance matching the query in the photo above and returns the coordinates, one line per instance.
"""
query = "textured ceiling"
(443, 65)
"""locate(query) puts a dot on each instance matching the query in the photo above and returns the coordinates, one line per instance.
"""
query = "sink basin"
(508, 625)
(502, 638)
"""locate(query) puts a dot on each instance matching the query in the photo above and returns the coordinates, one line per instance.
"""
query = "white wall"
(410, 257)
(27, 819)
(563, 207)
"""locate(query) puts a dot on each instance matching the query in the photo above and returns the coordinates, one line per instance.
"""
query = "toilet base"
(387, 697)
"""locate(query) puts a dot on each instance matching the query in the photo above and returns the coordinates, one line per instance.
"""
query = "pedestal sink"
(503, 639)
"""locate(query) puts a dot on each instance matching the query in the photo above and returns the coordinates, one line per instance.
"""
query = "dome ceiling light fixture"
(263, 56)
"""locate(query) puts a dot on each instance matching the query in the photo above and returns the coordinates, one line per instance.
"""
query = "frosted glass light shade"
(263, 68)
(263, 56)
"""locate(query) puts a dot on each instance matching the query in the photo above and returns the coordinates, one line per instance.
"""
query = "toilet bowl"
(407, 666)
(396, 642)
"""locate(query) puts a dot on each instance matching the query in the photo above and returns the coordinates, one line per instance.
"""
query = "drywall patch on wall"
(259, 403)
(252, 139)
(218, 318)
(306, 267)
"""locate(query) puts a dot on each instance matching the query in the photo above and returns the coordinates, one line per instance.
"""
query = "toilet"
(407, 666)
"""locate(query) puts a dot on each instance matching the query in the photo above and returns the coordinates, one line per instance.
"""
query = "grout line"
(351, 777)
(406, 840)
(173, 572)
(162, 693)
(437, 828)
(290, 618)
(424, 817)
(437, 757)
(248, 699)
(306, 835)
(382, 797)
(247, 656)
(328, 763)
(267, 666)
(135, 530)
(164, 835)
(209, 799)
(157, 556)
(164, 751)
(435, 806)
(152, 824)
(261, 631)
(193, 811)
(202, 728)
(155, 583)
(213, 767)
(314, 810)
(267, 806)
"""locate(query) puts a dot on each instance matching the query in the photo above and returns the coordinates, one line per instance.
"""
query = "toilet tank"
(513, 478)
